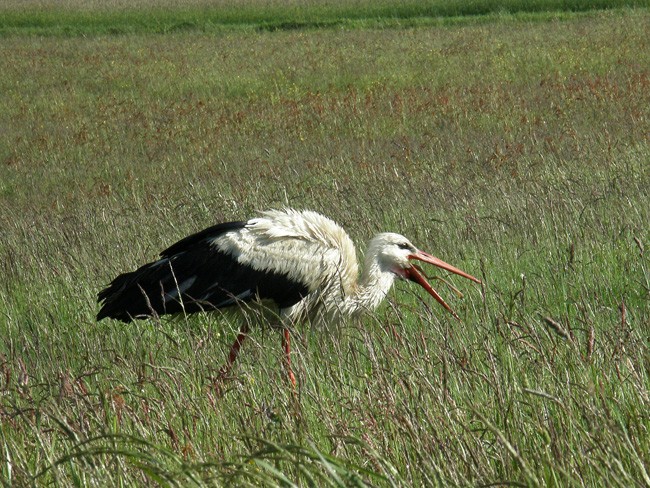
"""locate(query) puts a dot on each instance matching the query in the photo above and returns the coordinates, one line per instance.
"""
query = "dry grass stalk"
(590, 342)
(639, 245)
(623, 314)
(543, 394)
(556, 327)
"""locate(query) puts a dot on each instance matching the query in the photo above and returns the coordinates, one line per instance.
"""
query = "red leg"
(286, 345)
(234, 350)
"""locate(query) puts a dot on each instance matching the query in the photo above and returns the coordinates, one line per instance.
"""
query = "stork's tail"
(138, 294)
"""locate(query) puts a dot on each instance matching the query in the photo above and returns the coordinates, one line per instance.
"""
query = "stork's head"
(394, 253)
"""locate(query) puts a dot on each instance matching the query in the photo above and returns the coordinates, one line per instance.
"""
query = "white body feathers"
(314, 250)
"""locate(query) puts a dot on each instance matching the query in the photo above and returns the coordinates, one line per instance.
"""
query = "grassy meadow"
(93, 17)
(515, 148)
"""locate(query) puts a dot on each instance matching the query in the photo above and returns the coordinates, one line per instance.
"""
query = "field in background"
(92, 17)
(517, 151)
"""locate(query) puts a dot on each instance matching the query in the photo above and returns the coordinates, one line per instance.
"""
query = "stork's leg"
(234, 350)
(286, 345)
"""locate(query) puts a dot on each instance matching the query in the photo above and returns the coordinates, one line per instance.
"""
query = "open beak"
(412, 273)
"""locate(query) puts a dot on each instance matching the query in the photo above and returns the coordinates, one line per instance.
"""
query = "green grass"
(517, 151)
(74, 18)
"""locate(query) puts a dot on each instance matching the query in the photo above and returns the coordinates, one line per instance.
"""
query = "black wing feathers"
(204, 235)
(192, 276)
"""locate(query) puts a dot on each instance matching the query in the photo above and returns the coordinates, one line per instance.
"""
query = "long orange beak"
(411, 273)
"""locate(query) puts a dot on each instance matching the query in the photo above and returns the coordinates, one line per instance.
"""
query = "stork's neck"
(372, 287)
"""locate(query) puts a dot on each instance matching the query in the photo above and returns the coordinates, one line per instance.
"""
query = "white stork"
(301, 261)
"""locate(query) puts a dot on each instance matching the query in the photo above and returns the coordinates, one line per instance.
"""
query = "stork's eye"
(404, 245)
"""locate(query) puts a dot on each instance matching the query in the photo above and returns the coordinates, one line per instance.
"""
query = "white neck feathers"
(373, 286)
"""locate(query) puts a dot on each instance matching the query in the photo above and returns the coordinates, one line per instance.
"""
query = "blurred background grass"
(75, 17)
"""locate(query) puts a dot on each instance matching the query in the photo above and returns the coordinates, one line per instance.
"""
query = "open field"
(518, 151)
(92, 17)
